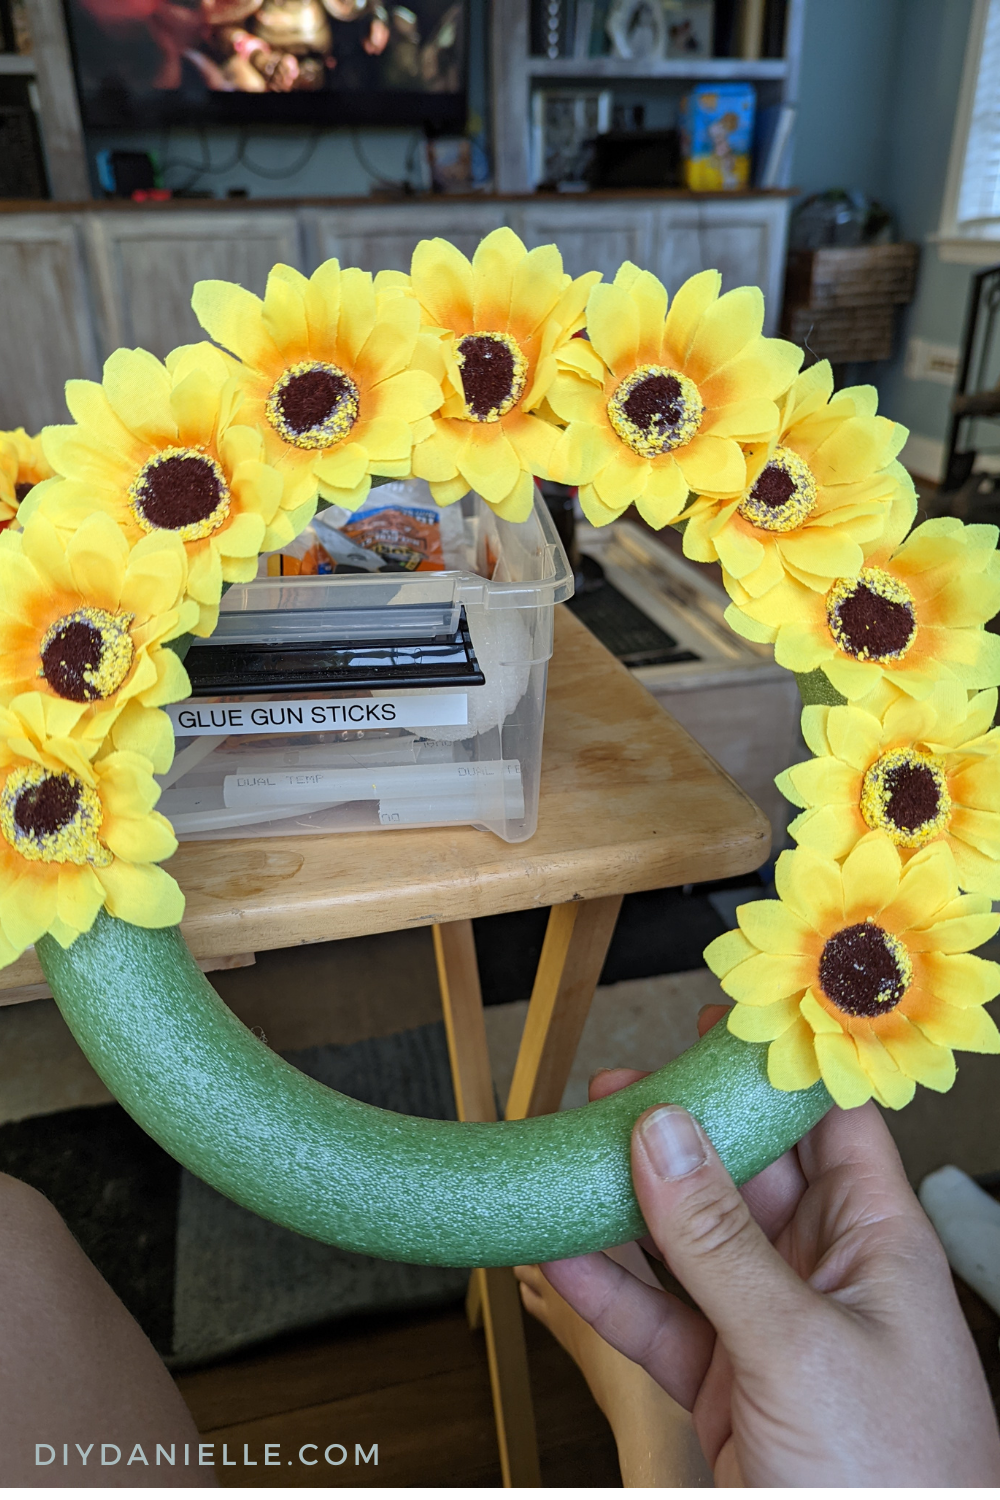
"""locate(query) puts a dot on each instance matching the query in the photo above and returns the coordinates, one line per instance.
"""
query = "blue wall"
(844, 126)
(879, 89)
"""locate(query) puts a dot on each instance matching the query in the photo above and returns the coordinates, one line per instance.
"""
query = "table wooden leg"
(495, 1298)
(576, 944)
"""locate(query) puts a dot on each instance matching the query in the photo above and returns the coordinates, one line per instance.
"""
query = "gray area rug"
(239, 1279)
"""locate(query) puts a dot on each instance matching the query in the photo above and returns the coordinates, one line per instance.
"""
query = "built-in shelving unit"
(720, 68)
(516, 73)
(14, 64)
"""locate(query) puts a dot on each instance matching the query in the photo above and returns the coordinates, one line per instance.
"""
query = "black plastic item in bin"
(434, 649)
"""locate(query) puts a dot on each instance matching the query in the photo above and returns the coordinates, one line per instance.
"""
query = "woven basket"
(843, 334)
(865, 276)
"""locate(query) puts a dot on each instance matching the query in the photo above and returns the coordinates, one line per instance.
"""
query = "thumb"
(708, 1236)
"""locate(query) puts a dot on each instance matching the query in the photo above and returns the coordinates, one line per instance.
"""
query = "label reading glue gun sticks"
(300, 715)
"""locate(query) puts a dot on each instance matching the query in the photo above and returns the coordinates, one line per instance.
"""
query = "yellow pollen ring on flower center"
(783, 495)
(182, 490)
(52, 816)
(655, 410)
(87, 654)
(905, 793)
(313, 404)
(872, 617)
(494, 374)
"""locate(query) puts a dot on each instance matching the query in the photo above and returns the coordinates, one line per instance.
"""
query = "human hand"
(830, 1349)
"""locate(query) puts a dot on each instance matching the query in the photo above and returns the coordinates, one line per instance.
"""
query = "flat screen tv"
(147, 63)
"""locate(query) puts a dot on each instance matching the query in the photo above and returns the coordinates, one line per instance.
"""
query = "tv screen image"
(161, 62)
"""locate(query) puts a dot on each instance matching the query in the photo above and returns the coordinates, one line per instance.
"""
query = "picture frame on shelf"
(562, 122)
(638, 29)
(690, 28)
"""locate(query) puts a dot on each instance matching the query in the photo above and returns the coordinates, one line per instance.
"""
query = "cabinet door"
(382, 238)
(591, 236)
(744, 238)
(144, 266)
(678, 249)
(46, 336)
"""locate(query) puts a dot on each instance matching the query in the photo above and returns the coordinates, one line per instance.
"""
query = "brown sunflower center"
(872, 617)
(180, 490)
(23, 489)
(784, 494)
(313, 405)
(864, 970)
(52, 816)
(654, 410)
(905, 793)
(494, 374)
(88, 654)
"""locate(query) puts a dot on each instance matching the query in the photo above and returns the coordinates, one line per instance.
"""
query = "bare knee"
(27, 1219)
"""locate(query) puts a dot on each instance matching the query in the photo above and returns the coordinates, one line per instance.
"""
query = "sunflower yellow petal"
(79, 897)
(147, 731)
(825, 779)
(138, 389)
(811, 886)
(144, 895)
(726, 951)
(916, 1056)
(441, 277)
(767, 977)
(817, 1017)
(791, 1058)
(773, 928)
(493, 265)
(690, 303)
(489, 464)
(712, 465)
(842, 1071)
(892, 1087)
(234, 318)
(871, 877)
(613, 327)
(762, 1023)
(927, 882)
(968, 1027)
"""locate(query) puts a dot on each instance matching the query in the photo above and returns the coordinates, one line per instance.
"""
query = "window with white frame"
(971, 207)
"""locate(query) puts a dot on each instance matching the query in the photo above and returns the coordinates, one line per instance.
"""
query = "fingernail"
(674, 1142)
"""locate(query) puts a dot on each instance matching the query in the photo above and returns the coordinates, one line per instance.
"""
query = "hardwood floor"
(415, 1385)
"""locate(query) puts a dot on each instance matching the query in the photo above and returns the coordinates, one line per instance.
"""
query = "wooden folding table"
(629, 802)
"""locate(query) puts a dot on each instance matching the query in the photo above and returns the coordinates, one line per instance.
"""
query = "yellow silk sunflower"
(22, 466)
(818, 490)
(660, 400)
(76, 833)
(83, 618)
(158, 448)
(921, 771)
(327, 374)
(912, 616)
(500, 323)
(860, 974)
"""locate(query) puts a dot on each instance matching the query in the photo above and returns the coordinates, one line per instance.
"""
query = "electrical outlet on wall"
(926, 361)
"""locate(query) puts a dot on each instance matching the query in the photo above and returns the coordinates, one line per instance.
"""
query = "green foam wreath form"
(431, 1192)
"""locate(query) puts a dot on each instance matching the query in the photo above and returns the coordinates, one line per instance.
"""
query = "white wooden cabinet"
(144, 265)
(593, 236)
(383, 237)
(46, 318)
(75, 284)
(744, 238)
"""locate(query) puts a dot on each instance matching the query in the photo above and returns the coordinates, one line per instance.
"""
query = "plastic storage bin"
(392, 700)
